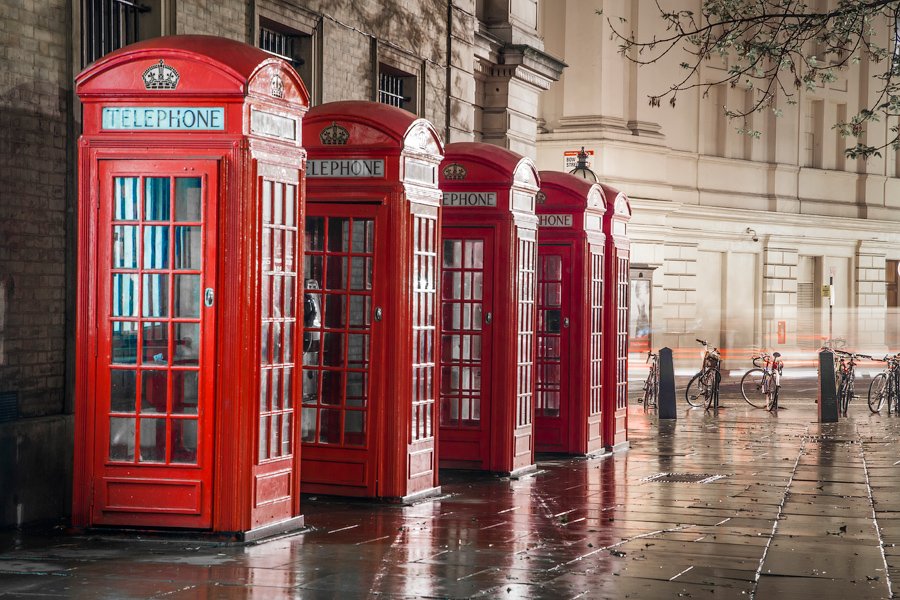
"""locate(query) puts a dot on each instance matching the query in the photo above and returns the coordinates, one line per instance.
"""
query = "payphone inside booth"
(615, 342)
(185, 360)
(569, 363)
(372, 235)
(488, 287)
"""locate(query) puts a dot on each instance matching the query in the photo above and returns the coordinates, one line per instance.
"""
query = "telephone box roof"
(510, 167)
(618, 203)
(236, 59)
(374, 124)
(578, 190)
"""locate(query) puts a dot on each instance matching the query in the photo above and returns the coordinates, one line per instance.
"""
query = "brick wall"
(35, 83)
(225, 18)
(780, 291)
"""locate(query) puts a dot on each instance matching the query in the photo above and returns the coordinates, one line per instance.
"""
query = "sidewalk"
(790, 516)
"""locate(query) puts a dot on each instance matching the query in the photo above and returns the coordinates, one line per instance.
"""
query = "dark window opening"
(108, 25)
(289, 44)
(396, 88)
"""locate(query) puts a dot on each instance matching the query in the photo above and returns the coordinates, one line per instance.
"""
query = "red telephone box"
(569, 366)
(372, 234)
(190, 188)
(488, 308)
(615, 349)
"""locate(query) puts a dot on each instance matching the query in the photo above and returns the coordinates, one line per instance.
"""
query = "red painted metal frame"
(585, 204)
(615, 369)
(477, 167)
(247, 496)
(399, 460)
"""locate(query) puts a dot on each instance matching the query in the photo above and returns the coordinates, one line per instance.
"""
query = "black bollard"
(828, 405)
(666, 385)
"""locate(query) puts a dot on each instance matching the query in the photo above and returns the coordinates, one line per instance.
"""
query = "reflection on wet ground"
(803, 511)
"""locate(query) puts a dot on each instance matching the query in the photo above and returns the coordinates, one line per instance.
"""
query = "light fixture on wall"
(581, 167)
(752, 232)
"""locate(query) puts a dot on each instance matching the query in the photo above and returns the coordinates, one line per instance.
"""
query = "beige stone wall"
(692, 178)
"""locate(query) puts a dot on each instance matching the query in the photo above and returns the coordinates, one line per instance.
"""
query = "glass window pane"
(357, 350)
(277, 357)
(286, 433)
(278, 204)
(124, 295)
(453, 254)
(124, 342)
(356, 388)
(187, 344)
(288, 346)
(265, 343)
(265, 296)
(310, 386)
(126, 201)
(187, 296)
(336, 276)
(184, 441)
(153, 440)
(154, 386)
(277, 250)
(273, 435)
(312, 270)
(360, 311)
(122, 396)
(329, 426)
(361, 235)
(287, 383)
(474, 252)
(125, 248)
(263, 437)
(338, 234)
(290, 200)
(121, 438)
(156, 199)
(277, 298)
(276, 389)
(187, 199)
(361, 273)
(314, 240)
(156, 343)
(334, 350)
(451, 285)
(156, 247)
(290, 298)
(308, 425)
(185, 392)
(354, 428)
(289, 241)
(267, 202)
(156, 295)
(187, 248)
(335, 313)
(332, 387)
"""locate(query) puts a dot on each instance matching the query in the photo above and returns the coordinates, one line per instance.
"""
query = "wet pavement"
(785, 508)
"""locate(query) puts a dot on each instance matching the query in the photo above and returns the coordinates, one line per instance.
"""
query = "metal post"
(828, 405)
(666, 398)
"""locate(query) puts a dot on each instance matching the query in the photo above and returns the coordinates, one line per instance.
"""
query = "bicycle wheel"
(711, 380)
(696, 391)
(846, 394)
(772, 399)
(877, 392)
(753, 388)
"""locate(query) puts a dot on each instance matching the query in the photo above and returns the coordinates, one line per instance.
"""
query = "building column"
(780, 295)
(679, 297)
(871, 298)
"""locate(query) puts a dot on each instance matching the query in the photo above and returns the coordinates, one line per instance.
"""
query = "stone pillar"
(871, 298)
(461, 88)
(679, 310)
(779, 294)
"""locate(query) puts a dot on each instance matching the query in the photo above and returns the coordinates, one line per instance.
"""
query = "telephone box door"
(553, 407)
(340, 386)
(155, 313)
(465, 412)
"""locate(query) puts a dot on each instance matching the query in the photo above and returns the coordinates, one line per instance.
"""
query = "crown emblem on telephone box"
(455, 171)
(334, 135)
(161, 77)
(277, 88)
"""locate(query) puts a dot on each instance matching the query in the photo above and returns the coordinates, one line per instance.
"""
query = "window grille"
(390, 90)
(282, 44)
(108, 25)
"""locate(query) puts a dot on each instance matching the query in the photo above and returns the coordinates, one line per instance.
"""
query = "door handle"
(488, 317)
(209, 297)
(566, 322)
(378, 313)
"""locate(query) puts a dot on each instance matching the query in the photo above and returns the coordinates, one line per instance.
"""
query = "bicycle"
(760, 385)
(885, 386)
(703, 387)
(651, 385)
(847, 371)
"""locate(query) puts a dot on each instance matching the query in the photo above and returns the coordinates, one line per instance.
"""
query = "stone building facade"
(475, 69)
(737, 235)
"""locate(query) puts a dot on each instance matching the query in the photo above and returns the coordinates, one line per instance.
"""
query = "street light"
(581, 168)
